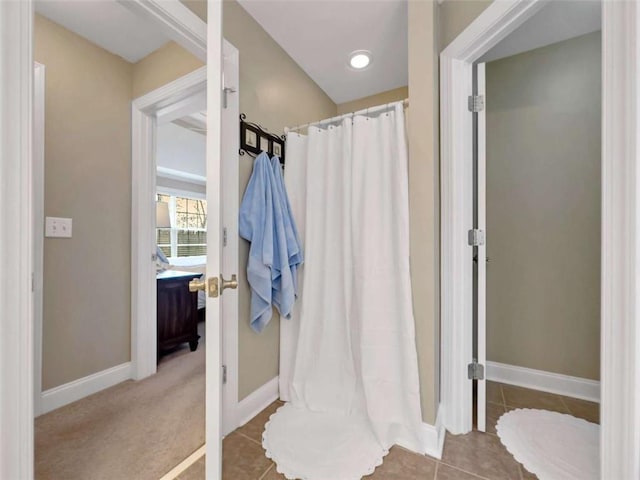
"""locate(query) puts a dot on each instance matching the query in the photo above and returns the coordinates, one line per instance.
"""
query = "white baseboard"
(575, 387)
(433, 436)
(72, 391)
(257, 401)
(431, 439)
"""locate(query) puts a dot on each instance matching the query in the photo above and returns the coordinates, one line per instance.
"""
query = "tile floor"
(465, 457)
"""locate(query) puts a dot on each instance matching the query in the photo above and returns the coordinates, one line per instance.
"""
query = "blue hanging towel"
(289, 256)
(256, 224)
(275, 253)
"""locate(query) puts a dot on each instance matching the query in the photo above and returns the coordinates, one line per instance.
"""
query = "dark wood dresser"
(177, 310)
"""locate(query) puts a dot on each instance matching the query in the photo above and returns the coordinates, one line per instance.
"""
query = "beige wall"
(163, 66)
(423, 197)
(423, 188)
(431, 27)
(423, 149)
(543, 208)
(274, 92)
(456, 15)
(86, 325)
(374, 100)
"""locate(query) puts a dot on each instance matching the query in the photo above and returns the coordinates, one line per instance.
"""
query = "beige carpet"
(134, 430)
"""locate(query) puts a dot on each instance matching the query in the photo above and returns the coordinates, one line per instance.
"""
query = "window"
(188, 235)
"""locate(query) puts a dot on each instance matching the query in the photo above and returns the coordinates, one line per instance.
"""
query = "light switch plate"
(57, 227)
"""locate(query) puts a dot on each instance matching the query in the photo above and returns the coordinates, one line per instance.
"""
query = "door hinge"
(476, 103)
(476, 237)
(225, 92)
(224, 374)
(224, 237)
(475, 371)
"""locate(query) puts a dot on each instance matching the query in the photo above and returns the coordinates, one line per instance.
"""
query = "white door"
(481, 253)
(37, 176)
(230, 205)
(214, 243)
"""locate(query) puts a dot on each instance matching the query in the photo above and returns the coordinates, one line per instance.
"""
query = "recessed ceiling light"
(360, 59)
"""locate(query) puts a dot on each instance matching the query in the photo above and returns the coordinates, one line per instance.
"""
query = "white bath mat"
(321, 446)
(552, 445)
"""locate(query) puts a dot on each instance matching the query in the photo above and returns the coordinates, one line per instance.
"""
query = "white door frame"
(620, 331)
(38, 227)
(215, 219)
(145, 112)
(456, 85)
(620, 324)
(176, 21)
(17, 379)
(16, 240)
(481, 253)
(230, 206)
(165, 104)
(187, 29)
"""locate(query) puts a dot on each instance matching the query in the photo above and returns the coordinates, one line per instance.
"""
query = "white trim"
(620, 305)
(70, 392)
(173, 174)
(182, 109)
(481, 264)
(144, 110)
(176, 21)
(38, 227)
(620, 332)
(16, 251)
(230, 131)
(181, 192)
(455, 280)
(214, 316)
(495, 23)
(185, 464)
(566, 385)
(257, 401)
(180, 89)
(492, 25)
(433, 437)
(143, 235)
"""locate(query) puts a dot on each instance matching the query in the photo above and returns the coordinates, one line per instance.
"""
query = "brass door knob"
(233, 283)
(197, 284)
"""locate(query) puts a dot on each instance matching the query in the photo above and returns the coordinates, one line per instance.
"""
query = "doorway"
(181, 94)
(537, 213)
(180, 112)
(457, 182)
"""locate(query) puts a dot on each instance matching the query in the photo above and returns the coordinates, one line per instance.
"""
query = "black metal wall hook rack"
(254, 139)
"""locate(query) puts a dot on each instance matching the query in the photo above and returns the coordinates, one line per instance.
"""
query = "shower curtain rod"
(364, 111)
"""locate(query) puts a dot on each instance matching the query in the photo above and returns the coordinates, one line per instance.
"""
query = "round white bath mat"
(321, 446)
(552, 445)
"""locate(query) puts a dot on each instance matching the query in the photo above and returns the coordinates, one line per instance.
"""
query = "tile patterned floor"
(465, 457)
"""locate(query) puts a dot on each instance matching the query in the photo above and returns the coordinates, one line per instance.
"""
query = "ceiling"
(555, 22)
(107, 24)
(181, 149)
(320, 34)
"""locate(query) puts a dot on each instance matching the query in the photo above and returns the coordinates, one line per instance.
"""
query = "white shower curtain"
(348, 355)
